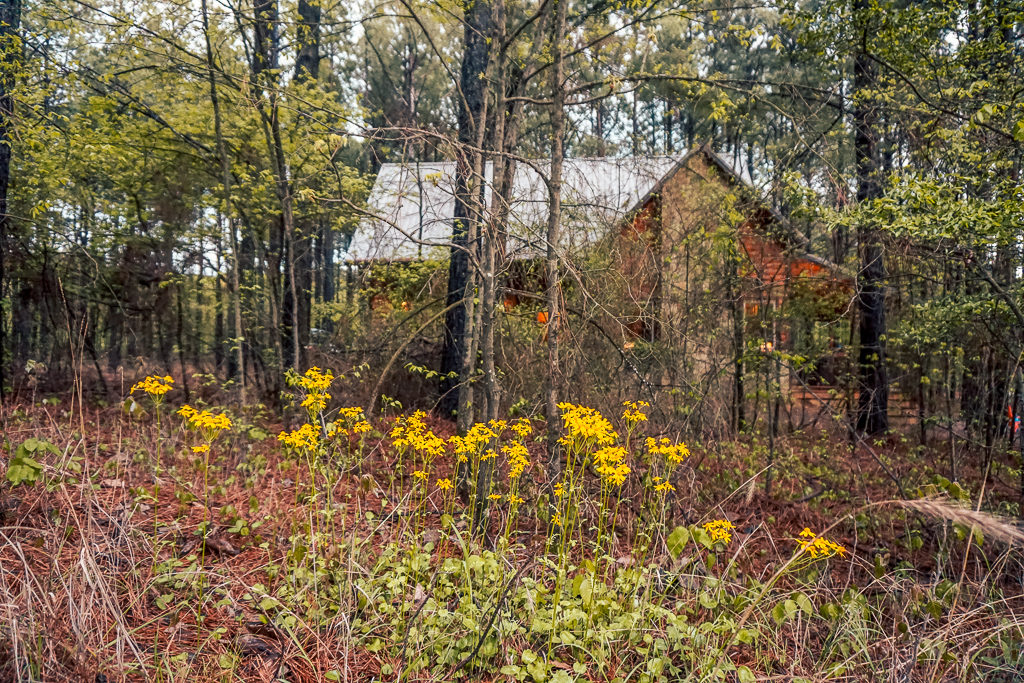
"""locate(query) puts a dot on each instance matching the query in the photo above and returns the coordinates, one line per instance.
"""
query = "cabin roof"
(412, 204)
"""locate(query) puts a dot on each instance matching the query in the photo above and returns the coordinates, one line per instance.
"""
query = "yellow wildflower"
(664, 487)
(420, 474)
(205, 421)
(444, 484)
(674, 452)
(306, 437)
(634, 412)
(513, 499)
(719, 530)
(586, 425)
(517, 461)
(610, 466)
(352, 413)
(494, 496)
(316, 401)
(201, 449)
(522, 428)
(154, 386)
(412, 432)
(315, 380)
(818, 546)
(361, 427)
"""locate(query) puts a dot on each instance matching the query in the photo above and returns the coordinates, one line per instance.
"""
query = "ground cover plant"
(158, 540)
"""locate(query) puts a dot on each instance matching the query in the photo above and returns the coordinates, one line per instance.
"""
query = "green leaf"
(746, 636)
(804, 603)
(745, 675)
(257, 434)
(586, 589)
(703, 537)
(23, 469)
(779, 614)
(677, 540)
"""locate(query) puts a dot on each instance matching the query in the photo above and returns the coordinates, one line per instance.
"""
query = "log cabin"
(716, 295)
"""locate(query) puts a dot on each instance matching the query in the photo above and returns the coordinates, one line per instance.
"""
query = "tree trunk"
(265, 61)
(475, 57)
(10, 19)
(225, 178)
(307, 61)
(218, 306)
(307, 69)
(551, 269)
(873, 403)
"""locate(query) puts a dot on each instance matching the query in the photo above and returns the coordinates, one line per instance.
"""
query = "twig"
(490, 622)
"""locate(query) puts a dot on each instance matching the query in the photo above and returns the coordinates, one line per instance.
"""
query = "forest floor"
(128, 552)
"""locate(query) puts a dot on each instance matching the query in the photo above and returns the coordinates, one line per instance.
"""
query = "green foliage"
(23, 468)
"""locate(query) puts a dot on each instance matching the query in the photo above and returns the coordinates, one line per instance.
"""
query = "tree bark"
(10, 19)
(873, 402)
(472, 105)
(225, 179)
(551, 269)
(265, 62)
(307, 70)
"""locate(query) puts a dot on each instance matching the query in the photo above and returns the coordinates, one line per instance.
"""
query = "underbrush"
(181, 543)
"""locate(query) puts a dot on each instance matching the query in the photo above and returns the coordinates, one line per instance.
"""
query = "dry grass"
(83, 575)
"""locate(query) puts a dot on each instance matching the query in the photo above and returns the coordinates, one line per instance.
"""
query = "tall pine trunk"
(873, 403)
(551, 269)
(472, 106)
(10, 18)
(225, 178)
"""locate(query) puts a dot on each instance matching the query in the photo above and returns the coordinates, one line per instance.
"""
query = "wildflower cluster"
(315, 384)
(585, 426)
(720, 530)
(412, 432)
(306, 437)
(315, 380)
(210, 424)
(633, 412)
(478, 436)
(662, 486)
(674, 453)
(818, 546)
(516, 454)
(522, 428)
(610, 465)
(154, 386)
(353, 421)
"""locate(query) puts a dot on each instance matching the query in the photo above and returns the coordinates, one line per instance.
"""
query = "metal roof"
(412, 204)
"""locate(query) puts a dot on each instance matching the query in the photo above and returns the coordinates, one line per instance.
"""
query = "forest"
(511, 340)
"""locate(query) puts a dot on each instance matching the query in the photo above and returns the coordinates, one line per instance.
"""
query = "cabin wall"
(708, 277)
(700, 295)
